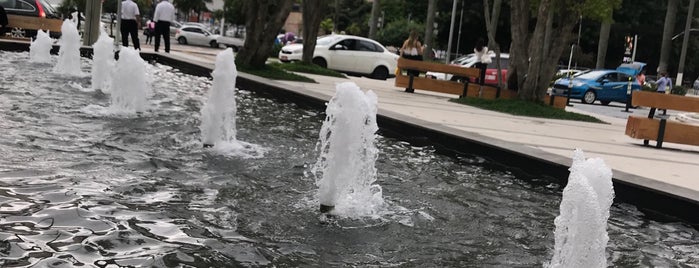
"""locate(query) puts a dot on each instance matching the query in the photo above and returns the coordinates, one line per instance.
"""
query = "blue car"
(601, 85)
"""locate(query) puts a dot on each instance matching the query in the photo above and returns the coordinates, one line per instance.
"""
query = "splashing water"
(130, 88)
(69, 52)
(581, 228)
(218, 128)
(102, 61)
(40, 48)
(345, 168)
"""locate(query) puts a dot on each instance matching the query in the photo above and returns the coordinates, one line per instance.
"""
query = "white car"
(196, 35)
(232, 42)
(348, 54)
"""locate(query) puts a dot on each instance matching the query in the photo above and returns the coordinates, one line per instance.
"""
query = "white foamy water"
(40, 48)
(102, 62)
(345, 170)
(581, 228)
(69, 52)
(218, 114)
(130, 88)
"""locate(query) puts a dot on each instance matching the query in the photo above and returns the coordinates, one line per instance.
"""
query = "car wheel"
(182, 40)
(605, 103)
(213, 44)
(589, 97)
(17, 32)
(380, 73)
(320, 62)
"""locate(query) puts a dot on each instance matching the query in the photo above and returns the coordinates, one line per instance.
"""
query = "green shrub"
(678, 90)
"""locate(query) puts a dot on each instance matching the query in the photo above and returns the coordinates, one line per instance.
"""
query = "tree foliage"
(397, 31)
(534, 52)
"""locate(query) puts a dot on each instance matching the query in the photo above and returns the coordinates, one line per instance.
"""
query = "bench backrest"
(665, 101)
(425, 66)
(34, 23)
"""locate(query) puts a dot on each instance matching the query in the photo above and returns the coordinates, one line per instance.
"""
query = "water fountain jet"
(581, 228)
(218, 115)
(69, 52)
(345, 170)
(130, 89)
(40, 48)
(102, 61)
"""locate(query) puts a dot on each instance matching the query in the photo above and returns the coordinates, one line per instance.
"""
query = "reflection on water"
(83, 188)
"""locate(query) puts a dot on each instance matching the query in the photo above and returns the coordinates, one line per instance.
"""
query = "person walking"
(163, 15)
(130, 22)
(664, 83)
(412, 50)
(482, 58)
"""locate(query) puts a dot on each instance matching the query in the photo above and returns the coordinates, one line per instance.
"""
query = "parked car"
(347, 53)
(469, 61)
(174, 26)
(25, 17)
(232, 42)
(195, 35)
(598, 85)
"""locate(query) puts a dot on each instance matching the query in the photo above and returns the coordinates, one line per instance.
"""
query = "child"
(149, 31)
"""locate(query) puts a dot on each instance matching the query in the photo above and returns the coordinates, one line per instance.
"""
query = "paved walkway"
(673, 169)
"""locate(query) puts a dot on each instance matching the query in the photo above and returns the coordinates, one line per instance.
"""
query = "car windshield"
(326, 40)
(592, 75)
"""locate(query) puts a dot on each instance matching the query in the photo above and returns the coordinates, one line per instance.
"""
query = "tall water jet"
(581, 228)
(345, 170)
(69, 52)
(102, 61)
(40, 48)
(218, 128)
(130, 89)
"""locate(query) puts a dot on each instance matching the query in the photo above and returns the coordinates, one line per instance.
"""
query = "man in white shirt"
(130, 22)
(163, 15)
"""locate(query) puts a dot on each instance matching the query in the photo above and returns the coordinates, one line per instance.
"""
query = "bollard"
(628, 97)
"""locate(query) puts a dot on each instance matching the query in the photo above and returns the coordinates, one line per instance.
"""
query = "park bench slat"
(449, 87)
(675, 132)
(665, 101)
(424, 66)
(33, 23)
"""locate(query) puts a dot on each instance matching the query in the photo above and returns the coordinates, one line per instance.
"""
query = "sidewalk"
(672, 169)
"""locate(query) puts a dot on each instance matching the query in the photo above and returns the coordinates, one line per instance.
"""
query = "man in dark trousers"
(130, 22)
(163, 15)
(3, 21)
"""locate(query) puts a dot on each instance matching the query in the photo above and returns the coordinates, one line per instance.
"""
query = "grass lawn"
(307, 68)
(525, 108)
(272, 72)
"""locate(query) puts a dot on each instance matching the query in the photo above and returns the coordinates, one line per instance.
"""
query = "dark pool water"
(83, 189)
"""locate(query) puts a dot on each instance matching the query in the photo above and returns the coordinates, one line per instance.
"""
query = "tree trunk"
(375, 10)
(429, 30)
(602, 44)
(542, 64)
(668, 29)
(313, 11)
(491, 22)
(263, 21)
(518, 68)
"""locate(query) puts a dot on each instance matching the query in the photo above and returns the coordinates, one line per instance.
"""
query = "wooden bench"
(34, 23)
(661, 129)
(463, 89)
